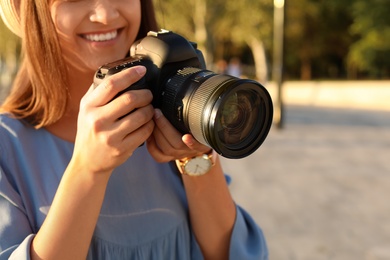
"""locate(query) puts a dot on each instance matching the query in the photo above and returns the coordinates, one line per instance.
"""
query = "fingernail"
(157, 113)
(190, 141)
(141, 70)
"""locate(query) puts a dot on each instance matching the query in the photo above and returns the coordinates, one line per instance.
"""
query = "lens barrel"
(231, 115)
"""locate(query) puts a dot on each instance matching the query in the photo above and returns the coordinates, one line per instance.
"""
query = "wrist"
(88, 172)
(198, 165)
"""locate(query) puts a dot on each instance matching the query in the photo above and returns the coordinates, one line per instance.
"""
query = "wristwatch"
(196, 166)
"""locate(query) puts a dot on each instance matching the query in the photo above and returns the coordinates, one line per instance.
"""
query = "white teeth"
(101, 37)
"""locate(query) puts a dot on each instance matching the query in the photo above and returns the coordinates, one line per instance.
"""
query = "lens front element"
(241, 118)
(238, 115)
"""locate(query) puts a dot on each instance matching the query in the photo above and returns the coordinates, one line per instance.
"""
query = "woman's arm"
(103, 142)
(67, 230)
(212, 209)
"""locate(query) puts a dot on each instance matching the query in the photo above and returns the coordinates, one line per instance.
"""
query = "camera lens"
(238, 114)
(231, 115)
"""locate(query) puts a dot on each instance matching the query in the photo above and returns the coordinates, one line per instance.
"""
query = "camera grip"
(140, 84)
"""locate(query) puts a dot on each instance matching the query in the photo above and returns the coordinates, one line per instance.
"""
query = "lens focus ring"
(198, 112)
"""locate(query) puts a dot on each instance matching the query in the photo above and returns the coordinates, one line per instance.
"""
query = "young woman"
(74, 181)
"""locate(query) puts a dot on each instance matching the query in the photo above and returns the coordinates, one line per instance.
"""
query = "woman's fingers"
(167, 143)
(114, 84)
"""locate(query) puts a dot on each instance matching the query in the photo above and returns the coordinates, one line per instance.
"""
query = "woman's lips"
(101, 37)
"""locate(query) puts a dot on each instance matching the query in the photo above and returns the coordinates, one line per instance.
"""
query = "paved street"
(319, 188)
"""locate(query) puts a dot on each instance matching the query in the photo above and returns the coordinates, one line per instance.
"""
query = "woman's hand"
(108, 129)
(167, 144)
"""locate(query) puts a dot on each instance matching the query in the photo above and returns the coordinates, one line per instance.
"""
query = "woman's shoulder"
(10, 125)
(13, 133)
(18, 134)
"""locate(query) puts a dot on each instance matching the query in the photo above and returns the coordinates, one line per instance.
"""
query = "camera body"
(233, 116)
(162, 53)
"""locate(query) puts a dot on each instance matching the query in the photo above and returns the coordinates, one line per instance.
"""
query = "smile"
(101, 37)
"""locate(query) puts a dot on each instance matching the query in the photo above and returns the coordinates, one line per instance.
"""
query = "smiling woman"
(73, 173)
(43, 70)
(78, 21)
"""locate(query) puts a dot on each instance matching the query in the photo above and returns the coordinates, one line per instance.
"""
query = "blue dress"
(144, 214)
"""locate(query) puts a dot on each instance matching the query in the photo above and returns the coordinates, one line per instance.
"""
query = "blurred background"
(319, 184)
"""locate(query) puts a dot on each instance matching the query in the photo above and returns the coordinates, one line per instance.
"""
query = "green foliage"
(10, 46)
(323, 38)
(246, 17)
(228, 20)
(9, 42)
(317, 38)
(371, 25)
(174, 15)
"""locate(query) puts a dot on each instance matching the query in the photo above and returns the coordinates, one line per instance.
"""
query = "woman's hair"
(39, 93)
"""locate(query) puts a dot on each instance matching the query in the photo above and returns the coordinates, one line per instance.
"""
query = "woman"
(74, 181)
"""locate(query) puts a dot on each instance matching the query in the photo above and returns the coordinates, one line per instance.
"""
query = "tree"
(317, 37)
(249, 22)
(371, 25)
(211, 23)
(187, 18)
(9, 53)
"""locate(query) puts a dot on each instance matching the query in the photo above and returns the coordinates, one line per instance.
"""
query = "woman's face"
(94, 32)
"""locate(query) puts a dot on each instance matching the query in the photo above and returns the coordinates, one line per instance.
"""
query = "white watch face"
(198, 165)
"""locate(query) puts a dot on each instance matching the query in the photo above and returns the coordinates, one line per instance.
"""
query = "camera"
(231, 115)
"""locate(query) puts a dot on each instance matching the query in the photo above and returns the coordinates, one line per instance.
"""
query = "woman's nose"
(103, 12)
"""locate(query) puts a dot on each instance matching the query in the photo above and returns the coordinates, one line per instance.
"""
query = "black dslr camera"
(231, 115)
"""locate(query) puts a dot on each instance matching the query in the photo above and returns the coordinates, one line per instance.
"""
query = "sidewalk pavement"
(319, 188)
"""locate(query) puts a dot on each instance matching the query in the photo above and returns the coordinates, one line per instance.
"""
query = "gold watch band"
(181, 163)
